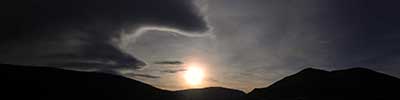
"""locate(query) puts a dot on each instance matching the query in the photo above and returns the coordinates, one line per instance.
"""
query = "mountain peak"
(312, 70)
(308, 73)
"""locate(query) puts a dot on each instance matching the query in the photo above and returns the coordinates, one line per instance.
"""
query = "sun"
(194, 75)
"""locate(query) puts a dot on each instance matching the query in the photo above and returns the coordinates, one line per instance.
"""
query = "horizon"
(208, 87)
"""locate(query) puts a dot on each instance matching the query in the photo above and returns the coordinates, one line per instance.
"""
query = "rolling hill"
(42, 83)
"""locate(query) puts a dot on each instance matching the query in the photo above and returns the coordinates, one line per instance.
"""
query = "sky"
(240, 44)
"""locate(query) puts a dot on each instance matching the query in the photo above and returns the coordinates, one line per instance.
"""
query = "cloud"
(173, 70)
(142, 30)
(47, 32)
(168, 62)
(143, 75)
(129, 38)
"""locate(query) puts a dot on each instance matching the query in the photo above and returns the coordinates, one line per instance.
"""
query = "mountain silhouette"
(43, 83)
(315, 84)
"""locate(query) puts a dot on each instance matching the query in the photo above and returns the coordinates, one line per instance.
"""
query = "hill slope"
(55, 84)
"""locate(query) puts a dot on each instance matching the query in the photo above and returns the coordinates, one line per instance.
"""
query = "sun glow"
(194, 75)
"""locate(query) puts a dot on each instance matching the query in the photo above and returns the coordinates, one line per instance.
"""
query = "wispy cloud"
(143, 75)
(168, 62)
(173, 71)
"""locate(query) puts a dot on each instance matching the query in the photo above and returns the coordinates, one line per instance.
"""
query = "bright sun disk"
(194, 75)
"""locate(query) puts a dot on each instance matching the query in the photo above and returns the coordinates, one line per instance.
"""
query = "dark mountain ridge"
(348, 84)
(43, 83)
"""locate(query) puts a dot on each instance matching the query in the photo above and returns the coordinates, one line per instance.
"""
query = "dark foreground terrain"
(42, 83)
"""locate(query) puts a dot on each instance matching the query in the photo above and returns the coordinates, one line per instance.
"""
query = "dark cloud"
(80, 32)
(173, 70)
(168, 62)
(143, 75)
